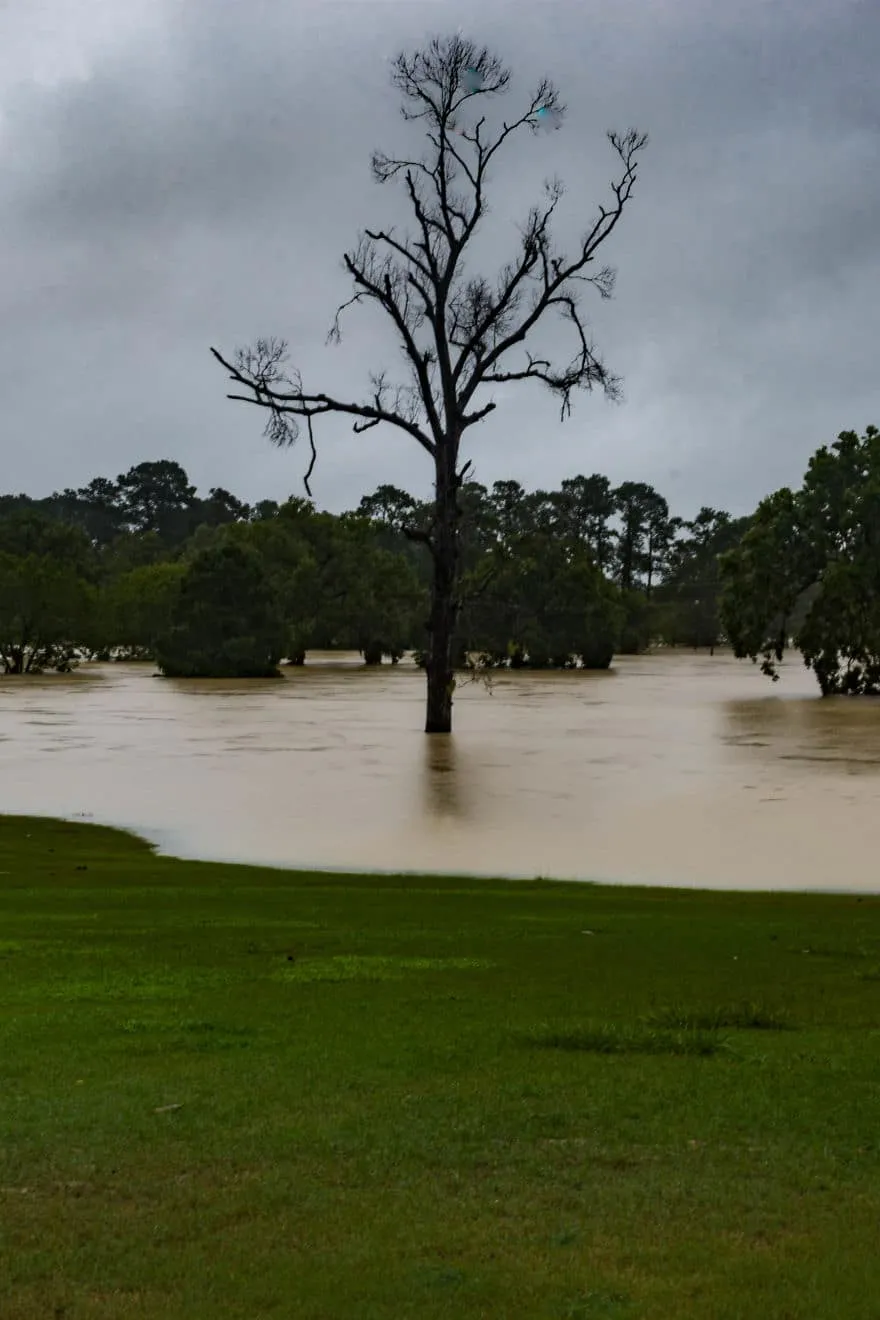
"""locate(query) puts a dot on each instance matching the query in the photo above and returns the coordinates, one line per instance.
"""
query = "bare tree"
(457, 332)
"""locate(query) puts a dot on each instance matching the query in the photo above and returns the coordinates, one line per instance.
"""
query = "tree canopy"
(548, 577)
(807, 571)
(541, 574)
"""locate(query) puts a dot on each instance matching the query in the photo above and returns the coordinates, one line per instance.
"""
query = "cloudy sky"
(181, 173)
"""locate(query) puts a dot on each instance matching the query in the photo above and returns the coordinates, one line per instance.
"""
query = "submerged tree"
(458, 330)
(227, 620)
(807, 571)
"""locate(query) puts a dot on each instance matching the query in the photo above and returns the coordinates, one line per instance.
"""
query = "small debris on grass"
(588, 932)
(166, 1109)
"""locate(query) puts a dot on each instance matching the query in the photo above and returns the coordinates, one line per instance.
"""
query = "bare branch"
(258, 370)
(334, 334)
(403, 250)
(470, 419)
(585, 370)
(495, 311)
(314, 458)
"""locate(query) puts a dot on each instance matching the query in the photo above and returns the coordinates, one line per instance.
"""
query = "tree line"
(142, 567)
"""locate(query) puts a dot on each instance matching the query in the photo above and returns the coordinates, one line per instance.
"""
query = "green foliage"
(155, 497)
(808, 571)
(645, 533)
(46, 612)
(95, 509)
(688, 599)
(547, 578)
(762, 580)
(378, 602)
(227, 620)
(132, 550)
(31, 531)
(138, 607)
(546, 604)
(585, 508)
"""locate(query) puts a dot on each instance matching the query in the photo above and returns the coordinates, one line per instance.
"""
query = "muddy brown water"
(670, 769)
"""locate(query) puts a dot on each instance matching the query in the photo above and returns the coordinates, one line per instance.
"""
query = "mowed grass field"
(238, 1092)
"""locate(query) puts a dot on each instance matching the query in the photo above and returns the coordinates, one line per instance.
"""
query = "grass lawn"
(233, 1092)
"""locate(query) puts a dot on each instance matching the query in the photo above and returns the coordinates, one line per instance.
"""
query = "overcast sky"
(181, 173)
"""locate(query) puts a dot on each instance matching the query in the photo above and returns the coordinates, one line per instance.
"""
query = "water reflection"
(444, 792)
(673, 769)
(839, 730)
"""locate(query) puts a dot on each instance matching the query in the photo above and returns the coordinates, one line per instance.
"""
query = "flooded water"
(671, 769)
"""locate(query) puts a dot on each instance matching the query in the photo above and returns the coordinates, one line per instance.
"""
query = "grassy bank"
(235, 1092)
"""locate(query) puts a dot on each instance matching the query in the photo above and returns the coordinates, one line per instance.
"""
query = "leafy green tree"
(132, 550)
(385, 607)
(33, 531)
(96, 509)
(224, 507)
(157, 497)
(264, 510)
(807, 572)
(660, 539)
(764, 578)
(289, 565)
(585, 508)
(219, 510)
(46, 613)
(643, 514)
(370, 599)
(10, 504)
(575, 612)
(509, 511)
(137, 608)
(285, 547)
(390, 506)
(227, 621)
(542, 512)
(547, 605)
(689, 598)
(101, 510)
(639, 618)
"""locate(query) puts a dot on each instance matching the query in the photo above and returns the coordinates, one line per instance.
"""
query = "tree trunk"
(444, 602)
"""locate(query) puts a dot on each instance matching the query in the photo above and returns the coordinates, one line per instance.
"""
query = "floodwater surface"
(670, 769)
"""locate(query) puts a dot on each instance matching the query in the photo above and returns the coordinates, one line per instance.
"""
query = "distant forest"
(141, 567)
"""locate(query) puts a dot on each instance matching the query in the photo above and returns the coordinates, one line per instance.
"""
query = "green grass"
(228, 1092)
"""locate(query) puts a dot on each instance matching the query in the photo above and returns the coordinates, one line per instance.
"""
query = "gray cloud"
(195, 178)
